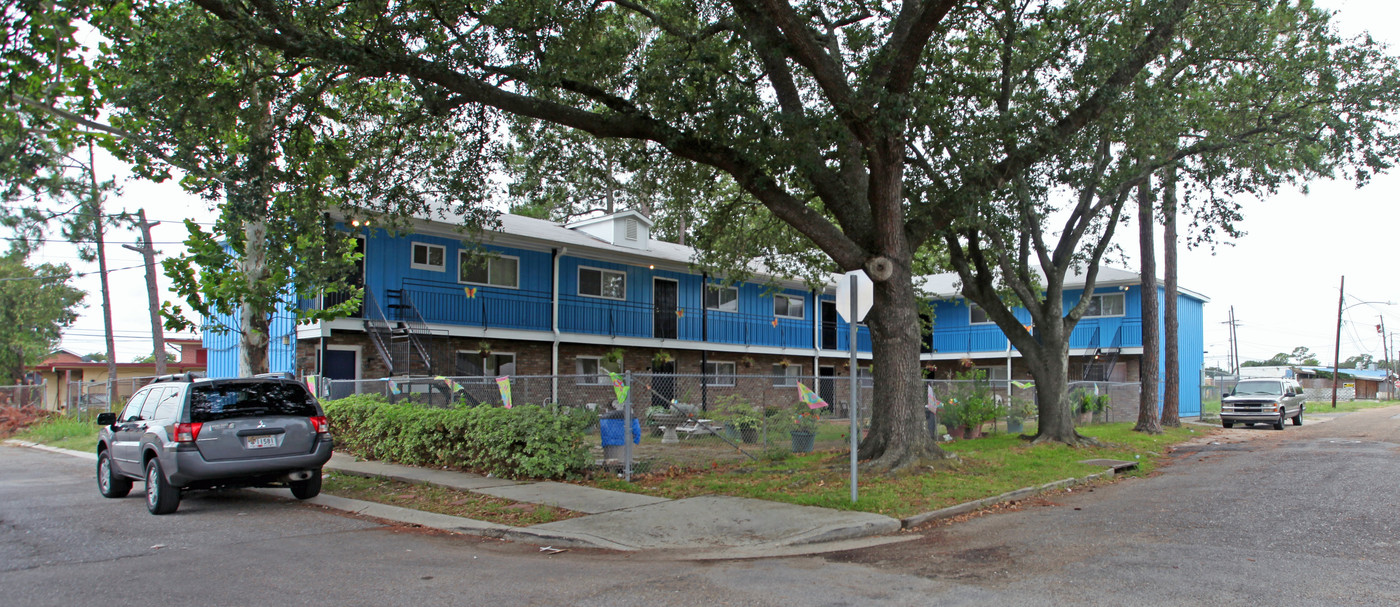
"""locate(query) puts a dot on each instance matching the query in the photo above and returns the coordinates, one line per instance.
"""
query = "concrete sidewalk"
(707, 526)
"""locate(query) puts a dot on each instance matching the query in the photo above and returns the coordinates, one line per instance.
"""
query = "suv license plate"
(260, 442)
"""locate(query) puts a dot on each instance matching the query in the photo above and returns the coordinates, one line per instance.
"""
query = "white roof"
(938, 285)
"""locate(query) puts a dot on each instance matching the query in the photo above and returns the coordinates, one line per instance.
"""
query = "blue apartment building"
(551, 299)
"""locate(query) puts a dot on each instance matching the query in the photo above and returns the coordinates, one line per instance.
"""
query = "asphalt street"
(1308, 516)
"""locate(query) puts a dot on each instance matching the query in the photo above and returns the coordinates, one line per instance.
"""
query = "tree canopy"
(36, 304)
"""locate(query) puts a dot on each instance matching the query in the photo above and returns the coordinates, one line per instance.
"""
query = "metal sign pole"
(854, 390)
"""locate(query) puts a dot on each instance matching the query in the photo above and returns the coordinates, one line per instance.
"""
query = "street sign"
(865, 295)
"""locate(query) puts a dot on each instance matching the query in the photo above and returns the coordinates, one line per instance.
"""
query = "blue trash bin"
(612, 430)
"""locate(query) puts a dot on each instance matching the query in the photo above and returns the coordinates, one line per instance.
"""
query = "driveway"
(1249, 516)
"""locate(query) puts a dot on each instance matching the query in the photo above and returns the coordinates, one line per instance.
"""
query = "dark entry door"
(665, 297)
(339, 364)
(829, 325)
(826, 384)
(663, 384)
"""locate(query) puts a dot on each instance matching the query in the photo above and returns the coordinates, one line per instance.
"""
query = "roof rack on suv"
(277, 375)
(186, 376)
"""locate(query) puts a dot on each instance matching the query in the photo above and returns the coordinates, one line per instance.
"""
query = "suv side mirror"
(106, 419)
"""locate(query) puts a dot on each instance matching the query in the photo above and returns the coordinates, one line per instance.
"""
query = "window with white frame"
(788, 306)
(594, 369)
(496, 271)
(429, 257)
(1106, 304)
(724, 299)
(976, 315)
(495, 364)
(720, 373)
(597, 282)
(786, 375)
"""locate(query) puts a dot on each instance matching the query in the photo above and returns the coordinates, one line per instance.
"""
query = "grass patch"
(431, 498)
(989, 466)
(63, 432)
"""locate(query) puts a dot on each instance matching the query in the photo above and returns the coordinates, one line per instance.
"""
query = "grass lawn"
(986, 467)
(63, 432)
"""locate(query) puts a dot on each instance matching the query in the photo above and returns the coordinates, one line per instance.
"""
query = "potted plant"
(1085, 403)
(483, 348)
(951, 414)
(1101, 404)
(747, 361)
(785, 363)
(660, 358)
(1016, 414)
(802, 429)
(740, 418)
(613, 357)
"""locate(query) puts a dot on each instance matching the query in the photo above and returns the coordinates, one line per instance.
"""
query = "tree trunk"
(1049, 366)
(1148, 367)
(253, 321)
(99, 230)
(1171, 401)
(897, 439)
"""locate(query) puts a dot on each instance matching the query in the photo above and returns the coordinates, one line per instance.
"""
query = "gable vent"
(631, 233)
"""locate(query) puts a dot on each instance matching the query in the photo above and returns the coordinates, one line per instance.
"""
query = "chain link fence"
(22, 396)
(87, 399)
(682, 422)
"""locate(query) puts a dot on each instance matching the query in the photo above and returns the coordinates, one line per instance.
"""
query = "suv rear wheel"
(109, 483)
(309, 488)
(161, 497)
(1298, 419)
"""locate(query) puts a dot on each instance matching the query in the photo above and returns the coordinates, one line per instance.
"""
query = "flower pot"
(802, 442)
(1085, 417)
(972, 431)
(748, 435)
(1015, 425)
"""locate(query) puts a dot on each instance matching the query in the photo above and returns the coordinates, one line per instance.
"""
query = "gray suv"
(182, 432)
(1271, 401)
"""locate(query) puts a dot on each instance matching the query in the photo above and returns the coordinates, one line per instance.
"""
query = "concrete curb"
(1022, 493)
(24, 443)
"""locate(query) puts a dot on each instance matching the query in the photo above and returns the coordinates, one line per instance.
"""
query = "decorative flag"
(503, 383)
(311, 385)
(470, 291)
(394, 387)
(619, 388)
(680, 313)
(813, 401)
(933, 403)
(451, 385)
(1023, 384)
(775, 323)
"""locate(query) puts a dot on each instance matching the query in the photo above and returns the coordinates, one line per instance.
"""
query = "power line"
(70, 275)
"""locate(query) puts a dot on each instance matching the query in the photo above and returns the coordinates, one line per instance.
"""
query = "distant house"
(64, 370)
(1363, 384)
(555, 299)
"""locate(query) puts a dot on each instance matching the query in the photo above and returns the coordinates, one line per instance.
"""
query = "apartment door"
(829, 325)
(665, 296)
(826, 383)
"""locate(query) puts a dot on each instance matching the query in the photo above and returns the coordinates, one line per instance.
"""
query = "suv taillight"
(321, 424)
(187, 433)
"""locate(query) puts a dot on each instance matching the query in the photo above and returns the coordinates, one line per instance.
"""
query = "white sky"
(1281, 277)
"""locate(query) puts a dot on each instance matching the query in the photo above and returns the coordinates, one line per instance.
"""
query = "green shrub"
(526, 441)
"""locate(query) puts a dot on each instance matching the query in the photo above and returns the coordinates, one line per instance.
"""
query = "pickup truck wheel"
(1278, 425)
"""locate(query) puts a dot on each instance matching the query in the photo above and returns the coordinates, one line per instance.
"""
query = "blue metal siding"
(843, 333)
(440, 298)
(225, 347)
(1190, 352)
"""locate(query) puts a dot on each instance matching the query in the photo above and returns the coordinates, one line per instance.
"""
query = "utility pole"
(1337, 350)
(148, 253)
(94, 204)
(1232, 356)
(1385, 352)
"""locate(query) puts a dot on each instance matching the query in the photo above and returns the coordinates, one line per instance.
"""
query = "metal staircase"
(399, 336)
(1105, 357)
